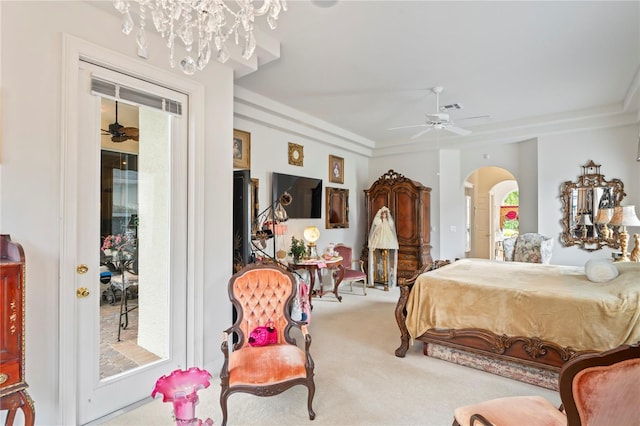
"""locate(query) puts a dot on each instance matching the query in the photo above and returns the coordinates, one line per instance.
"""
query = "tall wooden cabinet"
(13, 394)
(409, 204)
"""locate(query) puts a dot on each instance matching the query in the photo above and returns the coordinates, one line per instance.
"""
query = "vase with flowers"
(297, 249)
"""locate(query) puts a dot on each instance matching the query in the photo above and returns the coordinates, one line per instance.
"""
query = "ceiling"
(367, 66)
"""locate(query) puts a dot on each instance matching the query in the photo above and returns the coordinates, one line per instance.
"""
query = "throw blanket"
(551, 302)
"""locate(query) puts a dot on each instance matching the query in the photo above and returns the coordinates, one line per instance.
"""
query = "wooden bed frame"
(524, 350)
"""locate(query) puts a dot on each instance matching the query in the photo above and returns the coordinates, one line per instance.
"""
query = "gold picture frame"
(336, 169)
(241, 149)
(296, 154)
(337, 208)
(255, 205)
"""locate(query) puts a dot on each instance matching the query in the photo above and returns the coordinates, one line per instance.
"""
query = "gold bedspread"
(552, 302)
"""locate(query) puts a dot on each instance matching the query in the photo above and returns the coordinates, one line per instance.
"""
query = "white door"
(134, 191)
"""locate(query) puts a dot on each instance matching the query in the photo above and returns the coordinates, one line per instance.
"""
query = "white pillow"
(600, 270)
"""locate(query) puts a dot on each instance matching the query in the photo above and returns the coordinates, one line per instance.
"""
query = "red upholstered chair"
(262, 293)
(595, 389)
(352, 274)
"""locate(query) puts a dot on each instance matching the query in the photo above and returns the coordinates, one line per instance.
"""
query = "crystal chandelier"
(199, 24)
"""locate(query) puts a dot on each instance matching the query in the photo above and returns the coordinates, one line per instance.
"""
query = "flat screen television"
(306, 194)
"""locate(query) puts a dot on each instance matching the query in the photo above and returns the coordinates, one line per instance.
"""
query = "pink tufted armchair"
(599, 389)
(262, 293)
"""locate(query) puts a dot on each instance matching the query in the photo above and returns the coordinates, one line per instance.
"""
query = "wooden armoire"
(409, 204)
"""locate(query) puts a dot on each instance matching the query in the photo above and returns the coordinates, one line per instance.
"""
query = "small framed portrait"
(241, 149)
(336, 169)
(296, 154)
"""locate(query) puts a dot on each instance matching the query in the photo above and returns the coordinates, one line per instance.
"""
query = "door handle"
(82, 268)
(82, 292)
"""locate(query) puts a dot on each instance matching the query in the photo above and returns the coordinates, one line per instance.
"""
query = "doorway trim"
(75, 50)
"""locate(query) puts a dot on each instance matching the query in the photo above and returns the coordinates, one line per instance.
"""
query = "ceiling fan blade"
(438, 117)
(417, 135)
(407, 127)
(458, 130)
(130, 131)
(474, 117)
(119, 138)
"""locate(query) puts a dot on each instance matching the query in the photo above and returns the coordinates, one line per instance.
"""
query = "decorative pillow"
(509, 245)
(600, 270)
(533, 248)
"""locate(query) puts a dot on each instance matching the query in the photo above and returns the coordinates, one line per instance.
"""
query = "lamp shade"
(311, 234)
(279, 229)
(624, 216)
(604, 216)
(584, 220)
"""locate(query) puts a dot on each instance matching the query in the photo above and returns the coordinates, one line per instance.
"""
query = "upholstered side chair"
(262, 293)
(530, 247)
(353, 268)
(595, 389)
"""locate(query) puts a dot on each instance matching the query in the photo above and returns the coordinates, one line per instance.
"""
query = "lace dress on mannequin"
(382, 237)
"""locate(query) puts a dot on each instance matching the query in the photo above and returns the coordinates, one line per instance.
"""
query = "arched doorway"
(485, 190)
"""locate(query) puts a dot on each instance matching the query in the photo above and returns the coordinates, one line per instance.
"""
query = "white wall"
(30, 175)
(560, 158)
(272, 127)
(269, 153)
(539, 165)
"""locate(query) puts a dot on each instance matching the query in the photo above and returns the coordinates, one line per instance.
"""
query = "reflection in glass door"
(131, 231)
(128, 262)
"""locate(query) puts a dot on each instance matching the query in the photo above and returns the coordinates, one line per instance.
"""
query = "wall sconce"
(624, 216)
(311, 234)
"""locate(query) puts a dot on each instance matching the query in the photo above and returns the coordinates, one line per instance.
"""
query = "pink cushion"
(517, 410)
(266, 365)
(352, 274)
(609, 394)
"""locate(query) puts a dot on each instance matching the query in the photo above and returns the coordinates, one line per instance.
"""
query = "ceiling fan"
(120, 133)
(439, 120)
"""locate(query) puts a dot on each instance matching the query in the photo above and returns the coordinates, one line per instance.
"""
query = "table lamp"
(624, 216)
(603, 218)
(584, 221)
(311, 234)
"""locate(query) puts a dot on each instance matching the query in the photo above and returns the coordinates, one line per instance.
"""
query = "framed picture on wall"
(241, 149)
(336, 169)
(296, 154)
(337, 202)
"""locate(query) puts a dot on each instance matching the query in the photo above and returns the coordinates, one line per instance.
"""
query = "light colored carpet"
(359, 380)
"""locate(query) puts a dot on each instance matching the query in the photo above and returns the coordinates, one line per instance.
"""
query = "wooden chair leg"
(223, 406)
(312, 391)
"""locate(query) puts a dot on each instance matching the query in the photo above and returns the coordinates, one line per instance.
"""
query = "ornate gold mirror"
(584, 207)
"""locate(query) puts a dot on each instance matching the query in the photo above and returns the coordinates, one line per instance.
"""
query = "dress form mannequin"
(382, 237)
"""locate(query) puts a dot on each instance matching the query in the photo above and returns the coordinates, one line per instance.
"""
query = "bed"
(532, 314)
